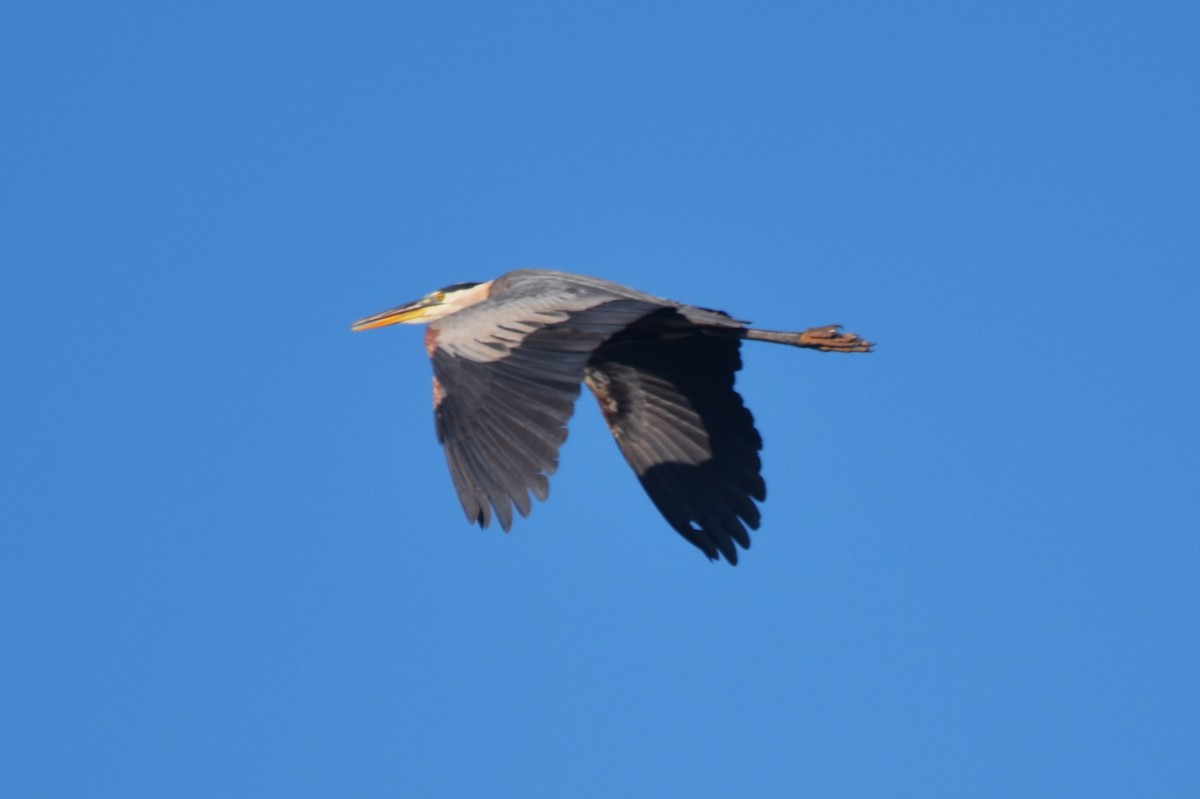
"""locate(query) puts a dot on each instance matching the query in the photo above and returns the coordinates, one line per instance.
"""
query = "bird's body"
(509, 356)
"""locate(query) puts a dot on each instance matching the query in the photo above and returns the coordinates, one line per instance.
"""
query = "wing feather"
(667, 390)
(507, 391)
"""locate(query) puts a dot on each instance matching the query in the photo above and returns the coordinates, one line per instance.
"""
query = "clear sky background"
(233, 562)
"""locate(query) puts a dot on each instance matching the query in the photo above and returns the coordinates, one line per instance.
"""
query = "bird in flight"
(509, 356)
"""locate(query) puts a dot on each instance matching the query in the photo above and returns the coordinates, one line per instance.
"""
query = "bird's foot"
(830, 338)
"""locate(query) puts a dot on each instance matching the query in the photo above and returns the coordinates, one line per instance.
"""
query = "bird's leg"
(829, 338)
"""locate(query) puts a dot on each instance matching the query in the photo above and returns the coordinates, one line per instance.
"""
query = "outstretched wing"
(666, 389)
(506, 376)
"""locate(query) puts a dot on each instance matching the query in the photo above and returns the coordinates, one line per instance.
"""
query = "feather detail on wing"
(666, 389)
(504, 397)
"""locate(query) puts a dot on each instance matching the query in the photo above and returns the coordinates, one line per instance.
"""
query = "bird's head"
(434, 305)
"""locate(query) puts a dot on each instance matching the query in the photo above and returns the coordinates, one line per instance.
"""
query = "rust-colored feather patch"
(439, 393)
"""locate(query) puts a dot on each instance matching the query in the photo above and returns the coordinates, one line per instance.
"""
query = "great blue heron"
(508, 358)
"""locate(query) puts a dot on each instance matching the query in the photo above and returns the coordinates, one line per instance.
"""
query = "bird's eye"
(440, 296)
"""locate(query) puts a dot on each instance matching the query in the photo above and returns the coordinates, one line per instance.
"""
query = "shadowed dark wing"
(502, 421)
(666, 389)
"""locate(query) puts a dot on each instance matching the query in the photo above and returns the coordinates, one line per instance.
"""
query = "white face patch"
(455, 301)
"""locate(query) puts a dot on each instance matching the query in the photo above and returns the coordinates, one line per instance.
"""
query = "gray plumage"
(509, 357)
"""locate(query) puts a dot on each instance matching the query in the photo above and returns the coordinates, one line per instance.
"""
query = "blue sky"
(233, 562)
